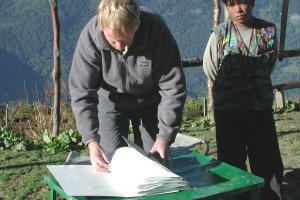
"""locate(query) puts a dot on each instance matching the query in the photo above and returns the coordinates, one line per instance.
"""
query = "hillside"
(26, 40)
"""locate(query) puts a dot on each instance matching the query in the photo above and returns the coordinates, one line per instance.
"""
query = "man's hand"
(98, 158)
(162, 149)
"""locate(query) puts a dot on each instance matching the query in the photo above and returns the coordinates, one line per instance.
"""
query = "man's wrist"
(93, 144)
(163, 140)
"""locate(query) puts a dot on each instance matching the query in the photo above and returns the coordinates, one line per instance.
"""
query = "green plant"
(66, 140)
(200, 122)
(12, 140)
(30, 120)
(203, 122)
(290, 106)
(193, 108)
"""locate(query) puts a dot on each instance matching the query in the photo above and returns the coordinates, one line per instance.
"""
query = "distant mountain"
(26, 40)
(18, 80)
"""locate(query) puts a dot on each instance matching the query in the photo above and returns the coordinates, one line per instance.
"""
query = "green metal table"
(211, 179)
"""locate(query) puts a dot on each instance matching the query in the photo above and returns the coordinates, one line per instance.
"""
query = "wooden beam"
(288, 53)
(287, 86)
(192, 62)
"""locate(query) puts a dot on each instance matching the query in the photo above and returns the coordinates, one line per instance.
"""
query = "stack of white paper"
(132, 174)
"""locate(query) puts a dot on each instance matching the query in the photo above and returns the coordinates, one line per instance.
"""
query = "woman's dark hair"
(233, 1)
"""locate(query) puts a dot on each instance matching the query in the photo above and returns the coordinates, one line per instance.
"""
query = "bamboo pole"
(56, 74)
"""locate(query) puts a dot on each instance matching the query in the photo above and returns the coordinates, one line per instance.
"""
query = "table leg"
(52, 194)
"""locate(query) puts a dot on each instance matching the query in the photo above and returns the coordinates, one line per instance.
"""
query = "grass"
(22, 172)
(288, 131)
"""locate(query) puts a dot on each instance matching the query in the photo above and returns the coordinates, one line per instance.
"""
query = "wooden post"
(283, 23)
(284, 14)
(6, 116)
(279, 95)
(205, 107)
(217, 9)
(211, 100)
(279, 98)
(56, 74)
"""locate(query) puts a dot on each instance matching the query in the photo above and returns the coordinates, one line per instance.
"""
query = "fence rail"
(192, 62)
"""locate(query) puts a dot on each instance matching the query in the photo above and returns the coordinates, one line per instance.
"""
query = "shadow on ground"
(291, 184)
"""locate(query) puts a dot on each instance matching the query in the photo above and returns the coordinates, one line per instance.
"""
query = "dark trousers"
(253, 134)
(114, 123)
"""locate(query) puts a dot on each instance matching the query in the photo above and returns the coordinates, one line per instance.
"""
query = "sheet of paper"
(82, 180)
(132, 171)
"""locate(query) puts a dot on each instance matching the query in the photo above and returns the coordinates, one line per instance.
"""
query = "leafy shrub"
(66, 140)
(200, 122)
(193, 108)
(290, 106)
(32, 119)
(12, 140)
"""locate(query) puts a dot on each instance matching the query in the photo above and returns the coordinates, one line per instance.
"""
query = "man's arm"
(210, 59)
(83, 86)
(210, 67)
(170, 79)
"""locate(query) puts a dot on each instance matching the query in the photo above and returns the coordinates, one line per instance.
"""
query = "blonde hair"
(118, 15)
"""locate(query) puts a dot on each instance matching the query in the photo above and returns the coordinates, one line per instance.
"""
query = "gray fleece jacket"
(149, 72)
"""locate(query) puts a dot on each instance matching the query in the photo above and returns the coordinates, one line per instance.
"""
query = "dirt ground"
(288, 128)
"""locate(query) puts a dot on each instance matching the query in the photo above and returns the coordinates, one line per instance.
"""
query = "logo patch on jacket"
(143, 63)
